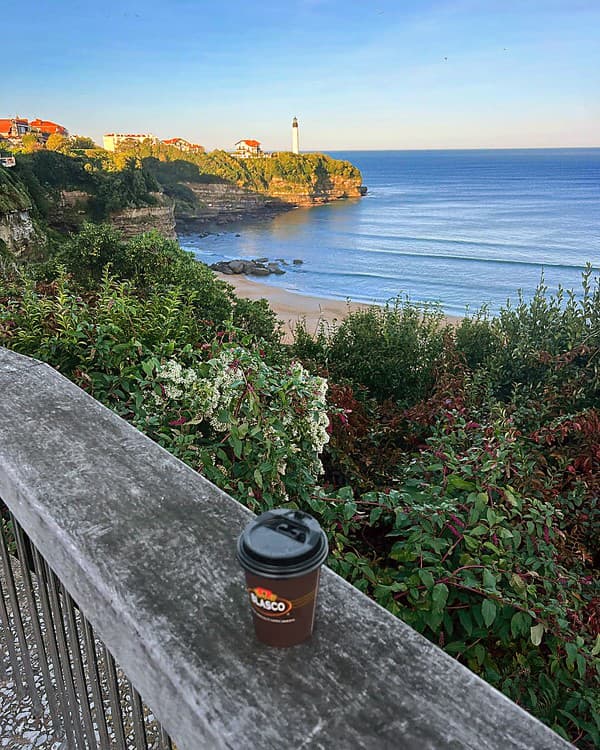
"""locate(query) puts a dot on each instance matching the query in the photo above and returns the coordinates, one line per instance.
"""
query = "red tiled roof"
(174, 140)
(46, 126)
(5, 126)
(254, 144)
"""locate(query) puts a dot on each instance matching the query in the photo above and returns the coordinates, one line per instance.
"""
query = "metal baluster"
(40, 572)
(64, 655)
(96, 684)
(115, 700)
(165, 740)
(36, 626)
(78, 673)
(18, 622)
(10, 642)
(139, 729)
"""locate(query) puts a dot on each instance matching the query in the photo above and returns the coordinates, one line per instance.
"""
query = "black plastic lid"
(282, 543)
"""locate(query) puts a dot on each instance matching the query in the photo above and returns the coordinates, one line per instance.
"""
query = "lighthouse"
(295, 142)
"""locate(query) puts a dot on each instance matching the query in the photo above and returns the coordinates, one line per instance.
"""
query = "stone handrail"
(145, 546)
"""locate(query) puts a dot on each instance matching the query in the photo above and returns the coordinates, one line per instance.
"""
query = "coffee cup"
(281, 552)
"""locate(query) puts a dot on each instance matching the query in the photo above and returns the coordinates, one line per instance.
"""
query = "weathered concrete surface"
(146, 547)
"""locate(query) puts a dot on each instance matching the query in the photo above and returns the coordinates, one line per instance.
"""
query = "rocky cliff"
(319, 191)
(20, 234)
(223, 202)
(18, 231)
(73, 207)
(132, 221)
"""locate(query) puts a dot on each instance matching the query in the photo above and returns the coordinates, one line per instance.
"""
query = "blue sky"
(375, 74)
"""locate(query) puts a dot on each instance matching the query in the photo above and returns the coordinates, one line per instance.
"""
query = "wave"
(478, 259)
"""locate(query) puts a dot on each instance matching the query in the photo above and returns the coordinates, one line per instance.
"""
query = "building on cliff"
(46, 128)
(112, 140)
(184, 145)
(295, 138)
(14, 128)
(247, 148)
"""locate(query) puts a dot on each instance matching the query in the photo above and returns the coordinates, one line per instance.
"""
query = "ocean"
(461, 228)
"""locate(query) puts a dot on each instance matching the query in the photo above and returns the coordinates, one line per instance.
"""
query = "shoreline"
(293, 307)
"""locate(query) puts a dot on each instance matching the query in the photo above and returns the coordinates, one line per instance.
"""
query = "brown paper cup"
(282, 552)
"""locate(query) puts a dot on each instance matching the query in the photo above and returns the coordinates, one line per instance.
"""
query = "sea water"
(462, 228)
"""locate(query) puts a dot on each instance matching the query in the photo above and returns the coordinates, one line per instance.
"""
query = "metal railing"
(56, 660)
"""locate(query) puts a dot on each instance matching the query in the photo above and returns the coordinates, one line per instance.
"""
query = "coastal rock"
(248, 267)
(297, 262)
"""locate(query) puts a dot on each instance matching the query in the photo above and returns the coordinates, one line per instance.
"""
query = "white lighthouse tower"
(295, 141)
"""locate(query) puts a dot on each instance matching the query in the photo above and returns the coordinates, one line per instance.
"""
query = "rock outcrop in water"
(257, 267)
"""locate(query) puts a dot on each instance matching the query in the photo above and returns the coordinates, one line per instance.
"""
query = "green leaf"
(426, 578)
(489, 580)
(349, 510)
(519, 624)
(488, 610)
(237, 446)
(596, 649)
(571, 650)
(536, 633)
(518, 583)
(258, 478)
(466, 621)
(439, 597)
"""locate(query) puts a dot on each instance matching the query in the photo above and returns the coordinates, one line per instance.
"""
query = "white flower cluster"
(295, 400)
(176, 380)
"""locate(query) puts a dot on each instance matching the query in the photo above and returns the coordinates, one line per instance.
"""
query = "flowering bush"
(253, 428)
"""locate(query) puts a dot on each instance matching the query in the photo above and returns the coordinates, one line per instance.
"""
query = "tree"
(57, 142)
(82, 142)
(30, 143)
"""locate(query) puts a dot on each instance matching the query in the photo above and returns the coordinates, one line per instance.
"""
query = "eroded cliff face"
(132, 221)
(20, 234)
(319, 191)
(220, 203)
(73, 208)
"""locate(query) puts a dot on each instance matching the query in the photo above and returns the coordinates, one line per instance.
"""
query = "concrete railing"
(145, 547)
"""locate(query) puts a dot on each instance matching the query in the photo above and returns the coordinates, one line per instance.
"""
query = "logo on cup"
(268, 603)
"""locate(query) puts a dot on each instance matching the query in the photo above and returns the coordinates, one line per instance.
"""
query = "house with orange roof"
(14, 128)
(247, 148)
(46, 128)
(184, 145)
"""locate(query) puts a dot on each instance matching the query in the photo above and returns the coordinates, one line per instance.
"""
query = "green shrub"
(394, 351)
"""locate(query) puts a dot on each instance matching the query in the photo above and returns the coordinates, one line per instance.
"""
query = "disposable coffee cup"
(281, 552)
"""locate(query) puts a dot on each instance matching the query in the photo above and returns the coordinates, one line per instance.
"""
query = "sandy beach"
(292, 308)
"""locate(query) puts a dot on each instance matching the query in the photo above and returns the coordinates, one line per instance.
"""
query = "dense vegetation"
(255, 174)
(13, 196)
(135, 174)
(455, 469)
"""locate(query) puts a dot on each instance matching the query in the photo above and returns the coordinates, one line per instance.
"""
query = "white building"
(247, 148)
(112, 140)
